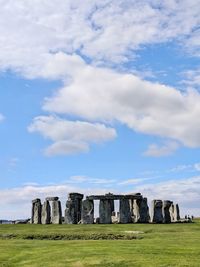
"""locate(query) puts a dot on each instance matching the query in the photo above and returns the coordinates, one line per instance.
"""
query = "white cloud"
(1, 117)
(186, 192)
(100, 94)
(134, 181)
(89, 180)
(197, 166)
(32, 31)
(180, 168)
(192, 78)
(16, 202)
(70, 137)
(159, 151)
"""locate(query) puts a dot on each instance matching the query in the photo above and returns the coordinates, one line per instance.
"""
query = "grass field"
(71, 245)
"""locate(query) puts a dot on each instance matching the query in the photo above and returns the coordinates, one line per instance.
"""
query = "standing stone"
(87, 215)
(46, 213)
(171, 212)
(70, 217)
(140, 210)
(105, 211)
(166, 211)
(176, 213)
(56, 212)
(112, 203)
(156, 212)
(36, 211)
(73, 208)
(124, 211)
(144, 211)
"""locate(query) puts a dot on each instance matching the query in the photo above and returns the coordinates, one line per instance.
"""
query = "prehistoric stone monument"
(73, 208)
(36, 211)
(133, 208)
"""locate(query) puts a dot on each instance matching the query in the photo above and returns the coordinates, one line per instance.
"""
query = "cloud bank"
(185, 191)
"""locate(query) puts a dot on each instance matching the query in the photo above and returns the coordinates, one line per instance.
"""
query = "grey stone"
(167, 204)
(87, 215)
(46, 213)
(72, 196)
(176, 213)
(124, 211)
(113, 213)
(105, 211)
(73, 208)
(36, 211)
(97, 220)
(52, 198)
(114, 197)
(70, 212)
(114, 219)
(140, 211)
(35, 200)
(156, 211)
(56, 212)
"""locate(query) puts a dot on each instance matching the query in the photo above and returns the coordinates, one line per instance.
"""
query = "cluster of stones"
(48, 212)
(133, 208)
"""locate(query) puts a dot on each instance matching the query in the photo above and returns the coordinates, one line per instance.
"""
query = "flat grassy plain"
(148, 245)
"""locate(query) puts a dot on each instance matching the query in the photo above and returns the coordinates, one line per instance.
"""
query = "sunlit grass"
(159, 245)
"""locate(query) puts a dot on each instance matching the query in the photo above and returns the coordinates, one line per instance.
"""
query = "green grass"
(157, 245)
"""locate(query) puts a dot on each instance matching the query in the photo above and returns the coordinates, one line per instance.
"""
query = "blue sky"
(99, 96)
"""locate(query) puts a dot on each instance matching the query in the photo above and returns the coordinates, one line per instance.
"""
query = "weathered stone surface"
(52, 198)
(72, 196)
(87, 215)
(166, 211)
(36, 211)
(35, 200)
(176, 213)
(156, 211)
(105, 211)
(97, 220)
(73, 208)
(46, 213)
(140, 211)
(70, 212)
(124, 211)
(114, 197)
(56, 212)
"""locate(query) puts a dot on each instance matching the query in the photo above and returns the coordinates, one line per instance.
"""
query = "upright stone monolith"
(36, 211)
(156, 211)
(56, 212)
(176, 213)
(70, 217)
(140, 210)
(105, 211)
(124, 211)
(87, 214)
(166, 211)
(46, 213)
(73, 208)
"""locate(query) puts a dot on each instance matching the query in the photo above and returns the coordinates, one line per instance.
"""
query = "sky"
(99, 96)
